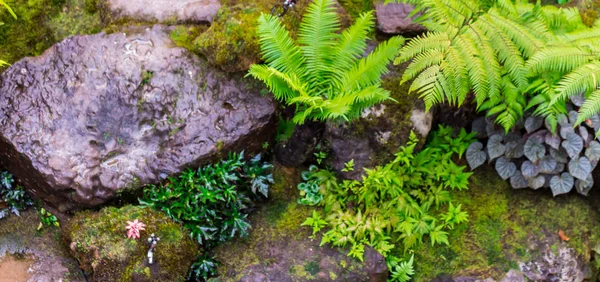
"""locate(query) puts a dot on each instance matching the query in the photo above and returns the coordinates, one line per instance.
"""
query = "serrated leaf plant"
(13, 198)
(397, 206)
(323, 73)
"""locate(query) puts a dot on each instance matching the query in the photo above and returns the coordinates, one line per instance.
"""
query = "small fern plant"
(323, 73)
(486, 47)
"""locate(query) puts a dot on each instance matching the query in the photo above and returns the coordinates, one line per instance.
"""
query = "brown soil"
(14, 269)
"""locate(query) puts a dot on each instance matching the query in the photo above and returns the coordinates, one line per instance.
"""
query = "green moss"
(102, 245)
(41, 23)
(356, 7)
(503, 225)
(589, 10)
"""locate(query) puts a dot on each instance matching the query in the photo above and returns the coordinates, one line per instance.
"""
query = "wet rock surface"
(97, 114)
(48, 259)
(189, 11)
(393, 18)
(558, 263)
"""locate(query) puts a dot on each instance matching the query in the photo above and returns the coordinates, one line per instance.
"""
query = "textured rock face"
(96, 114)
(393, 18)
(196, 11)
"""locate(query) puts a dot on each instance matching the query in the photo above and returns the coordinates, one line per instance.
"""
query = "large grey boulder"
(97, 114)
(180, 11)
(393, 18)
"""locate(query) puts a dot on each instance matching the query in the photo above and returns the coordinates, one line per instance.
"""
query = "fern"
(491, 49)
(324, 74)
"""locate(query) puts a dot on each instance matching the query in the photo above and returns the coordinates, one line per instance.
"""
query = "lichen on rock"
(99, 241)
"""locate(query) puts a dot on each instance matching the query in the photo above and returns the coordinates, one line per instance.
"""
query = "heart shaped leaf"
(561, 184)
(565, 130)
(562, 119)
(573, 145)
(593, 151)
(553, 140)
(529, 169)
(580, 168)
(479, 126)
(505, 168)
(514, 149)
(533, 123)
(475, 155)
(547, 164)
(577, 100)
(573, 115)
(584, 186)
(560, 156)
(534, 149)
(517, 181)
(536, 182)
(495, 147)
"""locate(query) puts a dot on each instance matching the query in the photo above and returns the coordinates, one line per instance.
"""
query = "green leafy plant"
(47, 219)
(324, 74)
(12, 197)
(397, 202)
(203, 268)
(211, 201)
(400, 271)
(4, 63)
(315, 222)
(314, 183)
(510, 55)
(349, 166)
(285, 129)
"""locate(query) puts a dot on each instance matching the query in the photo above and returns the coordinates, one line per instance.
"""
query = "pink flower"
(134, 228)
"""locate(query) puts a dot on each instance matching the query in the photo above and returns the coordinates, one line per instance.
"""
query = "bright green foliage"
(316, 222)
(491, 48)
(400, 271)
(398, 202)
(314, 184)
(47, 219)
(210, 201)
(12, 197)
(323, 73)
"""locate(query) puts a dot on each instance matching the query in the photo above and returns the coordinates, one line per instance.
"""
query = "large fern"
(324, 73)
(485, 47)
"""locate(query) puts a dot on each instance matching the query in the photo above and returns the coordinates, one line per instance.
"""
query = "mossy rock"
(98, 240)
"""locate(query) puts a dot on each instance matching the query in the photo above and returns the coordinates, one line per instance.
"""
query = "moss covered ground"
(503, 224)
(98, 240)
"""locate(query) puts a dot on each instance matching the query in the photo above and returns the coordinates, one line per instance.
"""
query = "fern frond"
(352, 44)
(591, 107)
(277, 46)
(284, 87)
(420, 44)
(422, 61)
(558, 59)
(369, 69)
(581, 80)
(317, 36)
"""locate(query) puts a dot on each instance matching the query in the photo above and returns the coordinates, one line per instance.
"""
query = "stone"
(561, 265)
(375, 137)
(47, 258)
(180, 11)
(98, 240)
(96, 115)
(375, 265)
(300, 146)
(393, 18)
(513, 276)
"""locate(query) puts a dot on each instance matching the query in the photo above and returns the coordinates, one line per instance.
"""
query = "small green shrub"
(212, 202)
(323, 73)
(12, 197)
(47, 219)
(398, 202)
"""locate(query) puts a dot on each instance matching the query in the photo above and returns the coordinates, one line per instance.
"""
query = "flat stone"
(189, 11)
(101, 113)
(393, 18)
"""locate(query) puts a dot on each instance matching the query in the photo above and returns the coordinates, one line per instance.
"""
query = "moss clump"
(503, 226)
(356, 7)
(41, 23)
(99, 241)
(231, 42)
(589, 10)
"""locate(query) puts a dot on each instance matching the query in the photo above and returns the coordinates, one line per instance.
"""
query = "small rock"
(375, 265)
(393, 18)
(513, 276)
(180, 11)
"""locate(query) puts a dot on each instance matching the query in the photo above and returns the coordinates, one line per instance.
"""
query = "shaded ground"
(509, 226)
(279, 248)
(51, 262)
(14, 269)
